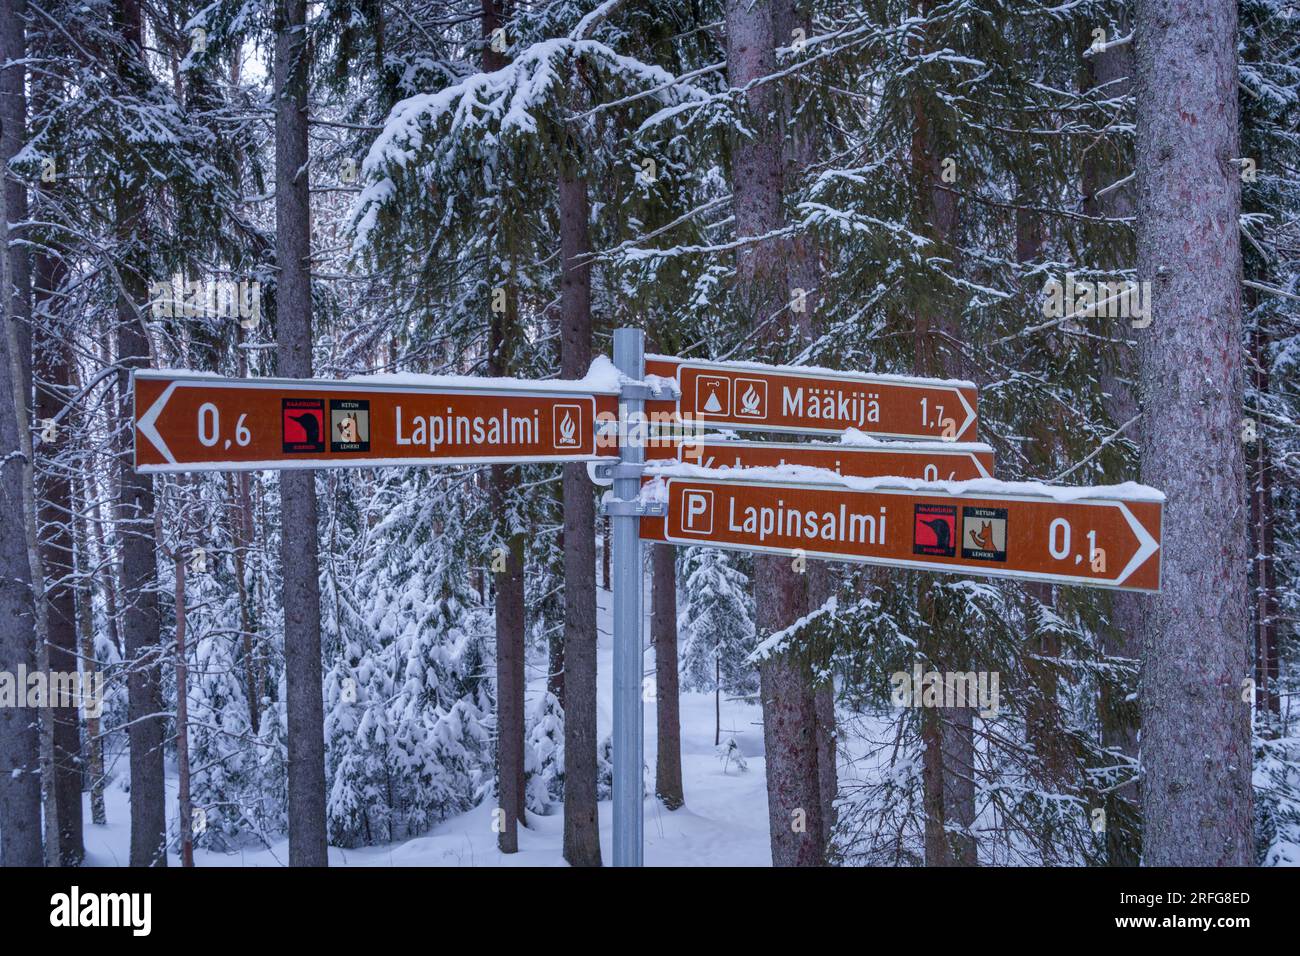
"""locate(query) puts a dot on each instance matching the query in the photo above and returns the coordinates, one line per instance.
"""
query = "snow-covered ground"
(724, 821)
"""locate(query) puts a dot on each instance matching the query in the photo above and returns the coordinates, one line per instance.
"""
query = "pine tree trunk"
(804, 296)
(581, 821)
(110, 567)
(948, 736)
(85, 589)
(937, 851)
(139, 592)
(13, 119)
(20, 776)
(1267, 697)
(794, 789)
(1196, 752)
(299, 536)
(1111, 71)
(509, 584)
(13, 133)
(510, 670)
(761, 290)
(663, 634)
(1043, 717)
(242, 538)
(55, 509)
(822, 585)
(185, 821)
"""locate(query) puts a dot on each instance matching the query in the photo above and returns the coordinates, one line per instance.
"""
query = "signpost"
(884, 503)
(625, 539)
(1108, 538)
(187, 422)
(779, 398)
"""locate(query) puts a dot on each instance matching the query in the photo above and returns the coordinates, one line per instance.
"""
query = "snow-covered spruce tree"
(409, 703)
(717, 626)
(544, 756)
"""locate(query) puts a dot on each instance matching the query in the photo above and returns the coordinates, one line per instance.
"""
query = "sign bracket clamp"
(636, 508)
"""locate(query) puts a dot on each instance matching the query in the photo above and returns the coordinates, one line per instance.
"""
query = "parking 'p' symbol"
(697, 512)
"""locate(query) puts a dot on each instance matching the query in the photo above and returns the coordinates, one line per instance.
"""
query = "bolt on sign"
(1109, 539)
(817, 401)
(928, 461)
(186, 422)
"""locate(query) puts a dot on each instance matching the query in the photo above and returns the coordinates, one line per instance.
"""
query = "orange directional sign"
(1100, 541)
(201, 423)
(818, 401)
(929, 461)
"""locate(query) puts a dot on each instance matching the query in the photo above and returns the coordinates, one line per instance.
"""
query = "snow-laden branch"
(484, 111)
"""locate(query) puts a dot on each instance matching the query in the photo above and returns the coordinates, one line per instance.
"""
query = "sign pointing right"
(777, 398)
(1104, 537)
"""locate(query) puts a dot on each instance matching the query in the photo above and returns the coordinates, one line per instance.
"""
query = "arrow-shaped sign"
(817, 401)
(188, 422)
(929, 461)
(1103, 537)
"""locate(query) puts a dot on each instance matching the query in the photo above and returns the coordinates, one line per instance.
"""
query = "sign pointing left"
(188, 422)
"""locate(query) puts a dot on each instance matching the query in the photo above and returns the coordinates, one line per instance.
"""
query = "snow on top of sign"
(854, 437)
(851, 438)
(811, 370)
(1128, 491)
(602, 376)
(174, 373)
(663, 384)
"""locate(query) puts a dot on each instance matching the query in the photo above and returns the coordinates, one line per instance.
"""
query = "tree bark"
(1111, 73)
(761, 290)
(1267, 693)
(947, 735)
(581, 821)
(299, 535)
(20, 772)
(85, 589)
(139, 593)
(663, 634)
(52, 367)
(510, 669)
(509, 583)
(1196, 753)
(185, 807)
(821, 587)
(241, 534)
(794, 789)
(13, 133)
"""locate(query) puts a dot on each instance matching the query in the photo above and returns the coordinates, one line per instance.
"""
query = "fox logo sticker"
(349, 424)
(984, 534)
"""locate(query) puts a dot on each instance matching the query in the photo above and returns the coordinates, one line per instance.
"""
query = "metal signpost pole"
(629, 357)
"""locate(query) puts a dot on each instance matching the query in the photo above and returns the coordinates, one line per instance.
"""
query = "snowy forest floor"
(724, 821)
